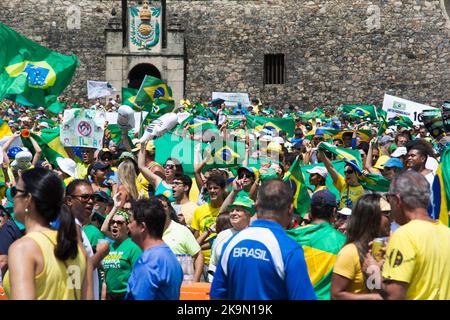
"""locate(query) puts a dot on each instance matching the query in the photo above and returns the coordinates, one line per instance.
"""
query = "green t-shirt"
(93, 234)
(118, 265)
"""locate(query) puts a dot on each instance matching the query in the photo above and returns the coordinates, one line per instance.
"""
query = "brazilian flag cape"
(321, 243)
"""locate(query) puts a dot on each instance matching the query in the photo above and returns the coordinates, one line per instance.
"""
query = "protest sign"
(395, 106)
(111, 117)
(99, 89)
(232, 99)
(83, 128)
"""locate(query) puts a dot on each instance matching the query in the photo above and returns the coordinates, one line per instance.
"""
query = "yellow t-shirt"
(349, 194)
(205, 216)
(320, 188)
(418, 253)
(348, 265)
(81, 170)
(52, 282)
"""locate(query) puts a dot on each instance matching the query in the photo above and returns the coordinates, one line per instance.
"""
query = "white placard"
(83, 128)
(395, 106)
(233, 98)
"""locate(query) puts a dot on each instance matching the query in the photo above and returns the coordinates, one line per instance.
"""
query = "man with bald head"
(261, 262)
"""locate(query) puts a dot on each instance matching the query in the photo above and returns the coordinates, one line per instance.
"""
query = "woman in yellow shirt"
(45, 264)
(348, 280)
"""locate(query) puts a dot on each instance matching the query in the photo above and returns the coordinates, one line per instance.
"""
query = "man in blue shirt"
(261, 262)
(157, 274)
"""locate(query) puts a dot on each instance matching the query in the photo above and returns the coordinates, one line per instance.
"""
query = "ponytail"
(67, 237)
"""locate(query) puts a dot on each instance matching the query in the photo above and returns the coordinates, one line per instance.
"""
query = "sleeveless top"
(58, 280)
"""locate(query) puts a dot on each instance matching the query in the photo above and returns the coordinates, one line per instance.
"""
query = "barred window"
(274, 68)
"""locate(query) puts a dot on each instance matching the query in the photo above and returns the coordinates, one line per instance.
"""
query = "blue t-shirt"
(262, 262)
(156, 275)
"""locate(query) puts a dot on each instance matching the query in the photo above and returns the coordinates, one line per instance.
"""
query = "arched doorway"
(138, 73)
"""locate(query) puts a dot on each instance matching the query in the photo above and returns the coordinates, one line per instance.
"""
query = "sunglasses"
(245, 175)
(169, 166)
(349, 171)
(118, 222)
(84, 197)
(14, 191)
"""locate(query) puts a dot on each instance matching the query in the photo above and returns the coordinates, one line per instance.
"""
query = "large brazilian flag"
(31, 74)
(321, 243)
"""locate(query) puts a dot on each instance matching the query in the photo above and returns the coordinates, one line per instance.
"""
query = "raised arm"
(8, 143)
(369, 163)
(198, 169)
(333, 173)
(37, 149)
(105, 226)
(237, 186)
(146, 172)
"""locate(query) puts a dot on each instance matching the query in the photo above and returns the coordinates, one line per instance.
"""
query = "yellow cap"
(380, 162)
(150, 146)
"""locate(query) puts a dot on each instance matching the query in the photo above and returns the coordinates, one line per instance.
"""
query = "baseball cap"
(127, 154)
(386, 139)
(100, 166)
(345, 211)
(101, 196)
(67, 165)
(400, 151)
(103, 152)
(323, 197)
(245, 202)
(23, 160)
(150, 146)
(380, 162)
(249, 169)
(394, 163)
(320, 171)
(275, 147)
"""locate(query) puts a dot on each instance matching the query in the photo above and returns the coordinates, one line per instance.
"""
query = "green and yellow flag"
(302, 200)
(271, 125)
(401, 121)
(152, 94)
(50, 143)
(5, 130)
(31, 74)
(343, 153)
(321, 243)
(129, 97)
(359, 111)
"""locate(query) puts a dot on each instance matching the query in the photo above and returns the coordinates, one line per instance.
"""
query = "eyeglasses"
(85, 197)
(178, 183)
(15, 190)
(169, 166)
(349, 171)
(118, 222)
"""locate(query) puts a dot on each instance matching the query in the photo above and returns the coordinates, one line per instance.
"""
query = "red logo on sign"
(84, 128)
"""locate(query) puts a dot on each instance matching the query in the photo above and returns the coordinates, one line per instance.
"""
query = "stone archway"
(138, 73)
(445, 5)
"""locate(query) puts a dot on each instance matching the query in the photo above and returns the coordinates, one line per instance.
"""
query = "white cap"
(22, 161)
(389, 131)
(44, 124)
(400, 151)
(67, 165)
(345, 211)
(319, 170)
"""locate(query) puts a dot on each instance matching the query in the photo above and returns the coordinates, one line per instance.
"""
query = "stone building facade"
(334, 51)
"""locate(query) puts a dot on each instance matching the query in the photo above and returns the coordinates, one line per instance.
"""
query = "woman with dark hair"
(45, 264)
(162, 186)
(348, 280)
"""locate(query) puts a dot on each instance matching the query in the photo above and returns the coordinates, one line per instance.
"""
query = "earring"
(26, 210)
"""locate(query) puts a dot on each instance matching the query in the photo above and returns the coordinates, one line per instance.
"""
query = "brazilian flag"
(50, 143)
(440, 196)
(321, 243)
(302, 200)
(31, 74)
(129, 97)
(359, 111)
(271, 125)
(401, 121)
(153, 93)
(342, 153)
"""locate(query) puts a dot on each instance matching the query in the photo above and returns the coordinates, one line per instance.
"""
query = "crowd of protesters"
(115, 224)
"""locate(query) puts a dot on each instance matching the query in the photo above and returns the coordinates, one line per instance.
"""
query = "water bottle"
(188, 270)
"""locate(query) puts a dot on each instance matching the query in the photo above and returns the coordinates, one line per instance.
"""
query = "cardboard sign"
(395, 106)
(83, 128)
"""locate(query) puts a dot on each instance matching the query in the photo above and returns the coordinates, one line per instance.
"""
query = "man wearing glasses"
(349, 187)
(80, 199)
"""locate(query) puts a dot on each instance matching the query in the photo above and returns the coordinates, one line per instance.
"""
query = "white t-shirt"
(216, 250)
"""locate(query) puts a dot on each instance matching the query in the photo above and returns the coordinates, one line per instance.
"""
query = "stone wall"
(336, 51)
